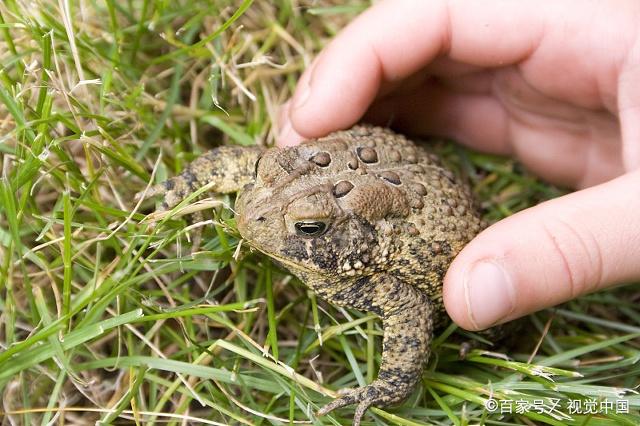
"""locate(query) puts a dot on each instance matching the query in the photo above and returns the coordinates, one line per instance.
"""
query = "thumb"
(548, 254)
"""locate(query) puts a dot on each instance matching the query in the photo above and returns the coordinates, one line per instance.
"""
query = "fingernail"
(301, 96)
(287, 136)
(284, 133)
(489, 294)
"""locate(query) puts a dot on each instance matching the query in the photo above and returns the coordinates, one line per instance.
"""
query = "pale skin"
(555, 84)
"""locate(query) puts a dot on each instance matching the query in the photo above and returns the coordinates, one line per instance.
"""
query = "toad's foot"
(379, 393)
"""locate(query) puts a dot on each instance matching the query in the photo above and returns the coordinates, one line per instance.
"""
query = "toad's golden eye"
(310, 228)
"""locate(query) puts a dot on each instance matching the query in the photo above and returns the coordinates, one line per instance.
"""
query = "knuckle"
(579, 253)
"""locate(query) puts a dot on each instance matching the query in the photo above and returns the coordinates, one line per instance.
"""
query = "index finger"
(394, 39)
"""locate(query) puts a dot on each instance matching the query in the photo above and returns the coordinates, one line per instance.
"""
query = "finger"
(394, 39)
(629, 107)
(551, 151)
(474, 119)
(548, 254)
(287, 136)
(573, 155)
(564, 144)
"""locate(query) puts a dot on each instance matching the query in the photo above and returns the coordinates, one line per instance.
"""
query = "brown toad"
(367, 219)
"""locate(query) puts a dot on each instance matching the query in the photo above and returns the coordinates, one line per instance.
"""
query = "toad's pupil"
(310, 229)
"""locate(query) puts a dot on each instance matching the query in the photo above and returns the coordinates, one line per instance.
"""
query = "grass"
(105, 319)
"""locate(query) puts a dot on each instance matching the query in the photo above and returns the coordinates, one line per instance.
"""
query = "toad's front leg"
(226, 168)
(407, 322)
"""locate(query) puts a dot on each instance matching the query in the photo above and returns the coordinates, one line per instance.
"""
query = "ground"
(105, 317)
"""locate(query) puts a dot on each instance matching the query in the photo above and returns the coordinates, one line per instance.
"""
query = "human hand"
(555, 84)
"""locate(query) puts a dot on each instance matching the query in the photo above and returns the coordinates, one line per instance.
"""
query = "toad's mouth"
(244, 228)
(281, 260)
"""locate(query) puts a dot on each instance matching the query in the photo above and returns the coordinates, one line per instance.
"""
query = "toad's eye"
(310, 229)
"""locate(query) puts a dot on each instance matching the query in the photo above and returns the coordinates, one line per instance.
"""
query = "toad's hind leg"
(226, 168)
(406, 318)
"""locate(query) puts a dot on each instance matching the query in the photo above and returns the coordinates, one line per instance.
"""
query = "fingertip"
(454, 297)
(288, 136)
(478, 293)
(335, 93)
(491, 280)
